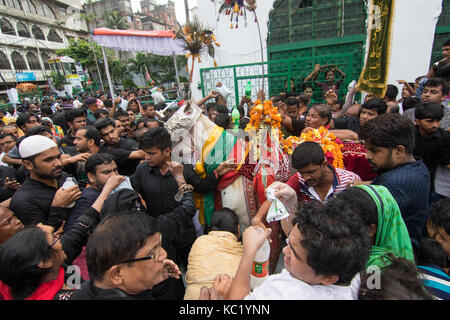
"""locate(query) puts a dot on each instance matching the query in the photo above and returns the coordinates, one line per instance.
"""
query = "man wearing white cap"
(40, 198)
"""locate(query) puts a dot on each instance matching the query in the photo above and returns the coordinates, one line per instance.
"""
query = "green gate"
(235, 77)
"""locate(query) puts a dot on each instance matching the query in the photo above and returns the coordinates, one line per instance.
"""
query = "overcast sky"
(179, 8)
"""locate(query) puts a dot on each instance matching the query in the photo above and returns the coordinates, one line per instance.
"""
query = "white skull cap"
(34, 145)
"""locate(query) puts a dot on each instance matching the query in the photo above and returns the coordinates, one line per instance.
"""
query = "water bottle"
(70, 182)
(235, 116)
(260, 268)
(248, 89)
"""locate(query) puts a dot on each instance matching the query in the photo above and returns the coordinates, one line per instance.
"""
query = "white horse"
(190, 131)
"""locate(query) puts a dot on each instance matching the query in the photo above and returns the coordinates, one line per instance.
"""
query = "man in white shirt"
(327, 248)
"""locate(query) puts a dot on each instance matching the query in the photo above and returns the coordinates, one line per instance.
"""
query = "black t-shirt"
(297, 125)
(128, 144)
(125, 166)
(350, 123)
(67, 141)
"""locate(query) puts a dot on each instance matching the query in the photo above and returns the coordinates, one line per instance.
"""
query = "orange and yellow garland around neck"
(331, 145)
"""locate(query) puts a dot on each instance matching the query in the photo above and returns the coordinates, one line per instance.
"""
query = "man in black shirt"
(41, 199)
(88, 139)
(158, 187)
(432, 143)
(75, 119)
(107, 128)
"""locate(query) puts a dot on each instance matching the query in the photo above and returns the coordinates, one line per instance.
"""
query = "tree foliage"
(114, 21)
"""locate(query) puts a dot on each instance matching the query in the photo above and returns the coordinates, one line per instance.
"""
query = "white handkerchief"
(277, 211)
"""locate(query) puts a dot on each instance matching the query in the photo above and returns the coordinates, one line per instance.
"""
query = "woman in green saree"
(380, 212)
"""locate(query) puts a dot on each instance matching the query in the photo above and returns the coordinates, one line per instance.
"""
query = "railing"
(277, 74)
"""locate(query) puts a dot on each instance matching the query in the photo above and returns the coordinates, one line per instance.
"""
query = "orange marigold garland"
(266, 115)
(332, 146)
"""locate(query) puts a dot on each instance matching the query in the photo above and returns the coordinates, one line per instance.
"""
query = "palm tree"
(114, 21)
(138, 65)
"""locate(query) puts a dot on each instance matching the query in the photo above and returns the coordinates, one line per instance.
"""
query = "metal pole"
(262, 51)
(96, 63)
(176, 73)
(105, 59)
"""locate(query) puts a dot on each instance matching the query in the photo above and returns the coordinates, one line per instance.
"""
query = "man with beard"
(41, 199)
(315, 179)
(389, 141)
(99, 168)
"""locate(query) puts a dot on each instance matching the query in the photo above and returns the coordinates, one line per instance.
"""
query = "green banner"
(373, 78)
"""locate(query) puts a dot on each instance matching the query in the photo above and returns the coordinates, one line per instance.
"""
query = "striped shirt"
(341, 179)
(436, 281)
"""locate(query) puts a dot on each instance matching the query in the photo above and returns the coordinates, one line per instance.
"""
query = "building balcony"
(11, 40)
(24, 75)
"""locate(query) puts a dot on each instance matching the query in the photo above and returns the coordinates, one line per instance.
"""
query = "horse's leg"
(233, 198)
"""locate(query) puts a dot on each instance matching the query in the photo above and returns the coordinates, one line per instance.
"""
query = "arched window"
(37, 32)
(7, 27)
(22, 30)
(4, 62)
(48, 12)
(53, 36)
(18, 61)
(45, 59)
(33, 61)
(29, 6)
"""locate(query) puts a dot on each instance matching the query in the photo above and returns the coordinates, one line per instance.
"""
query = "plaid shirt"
(341, 179)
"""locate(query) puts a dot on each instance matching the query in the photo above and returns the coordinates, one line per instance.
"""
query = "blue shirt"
(409, 183)
(436, 281)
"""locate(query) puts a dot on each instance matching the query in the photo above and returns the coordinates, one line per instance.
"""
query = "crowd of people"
(89, 184)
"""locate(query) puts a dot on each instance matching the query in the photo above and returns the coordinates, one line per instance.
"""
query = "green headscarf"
(392, 235)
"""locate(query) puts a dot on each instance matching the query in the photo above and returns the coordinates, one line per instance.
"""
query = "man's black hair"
(377, 104)
(335, 240)
(221, 109)
(389, 131)
(446, 43)
(102, 123)
(92, 133)
(223, 120)
(210, 106)
(438, 82)
(4, 135)
(46, 110)
(72, 114)
(37, 131)
(157, 137)
(361, 203)
(120, 113)
(243, 122)
(431, 252)
(304, 99)
(117, 238)
(391, 92)
(440, 214)
(307, 153)
(291, 101)
(98, 159)
(24, 118)
(224, 219)
(160, 123)
(99, 112)
(429, 110)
